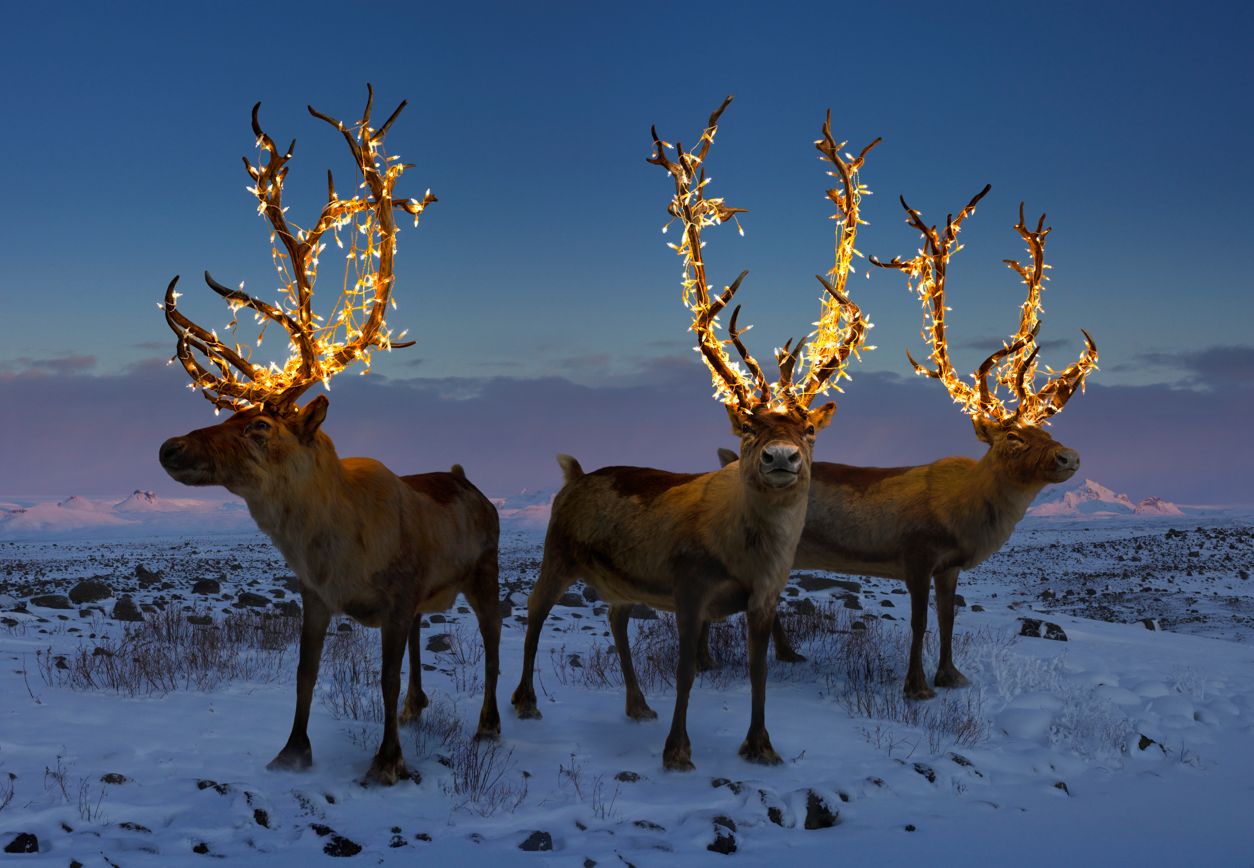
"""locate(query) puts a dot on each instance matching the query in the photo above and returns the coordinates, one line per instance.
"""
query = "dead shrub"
(165, 653)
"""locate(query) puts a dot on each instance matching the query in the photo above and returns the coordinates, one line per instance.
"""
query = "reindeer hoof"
(950, 678)
(386, 772)
(641, 712)
(526, 710)
(291, 760)
(489, 731)
(678, 761)
(919, 691)
(411, 711)
(760, 751)
(790, 657)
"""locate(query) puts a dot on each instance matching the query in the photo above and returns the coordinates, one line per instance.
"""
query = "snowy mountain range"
(1092, 499)
(142, 511)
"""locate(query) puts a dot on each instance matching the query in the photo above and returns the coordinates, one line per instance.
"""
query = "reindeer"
(935, 520)
(700, 545)
(364, 542)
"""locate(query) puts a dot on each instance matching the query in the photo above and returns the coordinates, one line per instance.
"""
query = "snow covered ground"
(1120, 745)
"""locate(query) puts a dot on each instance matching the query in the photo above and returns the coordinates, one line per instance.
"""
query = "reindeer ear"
(983, 429)
(821, 417)
(726, 456)
(739, 419)
(310, 417)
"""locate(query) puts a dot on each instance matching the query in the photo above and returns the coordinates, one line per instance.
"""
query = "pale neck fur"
(989, 491)
(303, 502)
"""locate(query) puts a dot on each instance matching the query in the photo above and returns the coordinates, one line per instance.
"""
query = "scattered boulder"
(819, 815)
(439, 642)
(1039, 629)
(627, 777)
(146, 576)
(200, 620)
(571, 600)
(288, 609)
(590, 594)
(724, 836)
(126, 610)
(51, 601)
(1150, 623)
(341, 846)
(808, 582)
(252, 600)
(537, 841)
(207, 587)
(89, 591)
(24, 842)
(641, 612)
(114, 778)
(507, 605)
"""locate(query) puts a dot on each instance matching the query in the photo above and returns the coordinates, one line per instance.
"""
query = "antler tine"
(841, 329)
(695, 211)
(787, 360)
(319, 349)
(764, 387)
(926, 274)
(1053, 396)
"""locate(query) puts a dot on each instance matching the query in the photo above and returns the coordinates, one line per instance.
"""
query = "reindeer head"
(268, 437)
(776, 448)
(1011, 426)
(255, 450)
(774, 421)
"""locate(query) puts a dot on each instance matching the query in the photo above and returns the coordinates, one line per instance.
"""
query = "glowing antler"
(1014, 364)
(842, 328)
(320, 348)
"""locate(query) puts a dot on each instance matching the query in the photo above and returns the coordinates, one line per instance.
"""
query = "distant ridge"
(1092, 499)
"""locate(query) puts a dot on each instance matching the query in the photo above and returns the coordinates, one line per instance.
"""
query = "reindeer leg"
(415, 698)
(388, 765)
(554, 578)
(947, 675)
(677, 754)
(784, 652)
(484, 595)
(705, 661)
(637, 708)
(918, 582)
(757, 745)
(297, 754)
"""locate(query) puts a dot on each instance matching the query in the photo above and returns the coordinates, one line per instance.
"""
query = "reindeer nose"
(1068, 459)
(171, 451)
(781, 456)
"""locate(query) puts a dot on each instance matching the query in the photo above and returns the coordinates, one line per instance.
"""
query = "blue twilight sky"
(1130, 124)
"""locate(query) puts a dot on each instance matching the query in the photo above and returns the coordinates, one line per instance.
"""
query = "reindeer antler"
(1014, 364)
(320, 348)
(842, 328)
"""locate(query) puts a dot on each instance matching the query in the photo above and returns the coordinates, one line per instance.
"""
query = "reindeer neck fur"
(757, 526)
(302, 500)
(988, 506)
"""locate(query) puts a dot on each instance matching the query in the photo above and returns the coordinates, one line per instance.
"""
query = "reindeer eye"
(1014, 438)
(810, 430)
(259, 425)
(746, 428)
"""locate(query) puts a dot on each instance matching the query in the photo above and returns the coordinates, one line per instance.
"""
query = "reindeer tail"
(570, 468)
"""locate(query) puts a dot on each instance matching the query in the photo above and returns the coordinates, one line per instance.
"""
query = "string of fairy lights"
(841, 328)
(1013, 367)
(320, 347)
